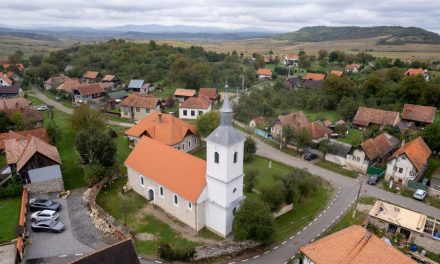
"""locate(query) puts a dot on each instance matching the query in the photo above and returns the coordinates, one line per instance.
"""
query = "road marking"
(276, 247)
(79, 254)
(312, 240)
(266, 252)
(305, 228)
(299, 232)
(256, 256)
(292, 257)
(285, 262)
(315, 219)
(324, 211)
(323, 230)
(320, 215)
(62, 256)
(333, 221)
(310, 224)
(233, 262)
(157, 261)
(328, 208)
(284, 242)
(244, 260)
(291, 237)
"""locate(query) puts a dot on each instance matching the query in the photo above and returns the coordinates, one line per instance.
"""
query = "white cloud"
(280, 15)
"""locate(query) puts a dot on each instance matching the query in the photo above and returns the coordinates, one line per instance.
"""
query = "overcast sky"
(280, 15)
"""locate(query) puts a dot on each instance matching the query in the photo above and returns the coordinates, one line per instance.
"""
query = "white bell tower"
(224, 173)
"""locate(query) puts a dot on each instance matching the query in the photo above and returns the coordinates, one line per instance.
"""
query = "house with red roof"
(353, 68)
(418, 71)
(183, 94)
(264, 73)
(291, 59)
(418, 115)
(194, 107)
(409, 162)
(211, 93)
(4, 80)
(88, 92)
(196, 192)
(137, 106)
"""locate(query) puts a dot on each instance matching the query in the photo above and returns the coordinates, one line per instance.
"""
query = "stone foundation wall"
(56, 185)
(427, 242)
(103, 221)
(225, 248)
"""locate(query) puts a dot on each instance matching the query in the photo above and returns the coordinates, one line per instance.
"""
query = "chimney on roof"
(160, 117)
(367, 235)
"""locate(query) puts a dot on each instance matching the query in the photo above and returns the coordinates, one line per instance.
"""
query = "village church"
(199, 193)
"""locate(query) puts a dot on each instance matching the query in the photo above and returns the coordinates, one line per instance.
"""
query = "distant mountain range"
(392, 35)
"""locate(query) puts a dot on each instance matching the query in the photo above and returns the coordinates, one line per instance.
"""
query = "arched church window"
(235, 190)
(235, 157)
(216, 157)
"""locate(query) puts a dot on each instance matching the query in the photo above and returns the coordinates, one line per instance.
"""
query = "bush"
(168, 253)
(274, 196)
(250, 148)
(253, 221)
(94, 173)
(249, 179)
(12, 189)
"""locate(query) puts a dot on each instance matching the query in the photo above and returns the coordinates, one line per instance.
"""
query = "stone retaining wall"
(55, 185)
(103, 221)
(226, 248)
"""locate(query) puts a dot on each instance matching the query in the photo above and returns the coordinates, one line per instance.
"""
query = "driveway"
(44, 245)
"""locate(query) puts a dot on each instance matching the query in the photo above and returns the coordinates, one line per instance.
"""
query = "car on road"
(43, 204)
(373, 179)
(310, 156)
(52, 226)
(420, 194)
(42, 108)
(44, 215)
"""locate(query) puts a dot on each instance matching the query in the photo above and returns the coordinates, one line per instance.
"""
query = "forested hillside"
(391, 35)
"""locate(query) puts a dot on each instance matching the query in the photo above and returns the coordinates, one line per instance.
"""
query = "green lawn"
(2, 160)
(9, 213)
(113, 201)
(336, 168)
(333, 116)
(266, 175)
(354, 137)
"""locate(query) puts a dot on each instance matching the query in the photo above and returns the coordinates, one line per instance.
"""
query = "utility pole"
(281, 139)
(357, 198)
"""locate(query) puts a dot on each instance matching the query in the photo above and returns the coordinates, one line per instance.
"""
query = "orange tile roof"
(365, 116)
(351, 67)
(28, 134)
(185, 177)
(5, 78)
(337, 73)
(89, 89)
(10, 74)
(262, 71)
(19, 66)
(317, 130)
(91, 74)
(211, 93)
(314, 76)
(292, 57)
(137, 100)
(56, 81)
(200, 102)
(69, 85)
(417, 152)
(412, 71)
(354, 245)
(185, 92)
(165, 128)
(379, 146)
(419, 113)
(108, 78)
(294, 120)
(14, 148)
(14, 103)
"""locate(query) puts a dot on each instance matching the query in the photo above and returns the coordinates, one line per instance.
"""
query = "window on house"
(190, 205)
(412, 173)
(395, 169)
(235, 190)
(193, 113)
(183, 146)
(175, 200)
(200, 112)
(138, 109)
(353, 158)
(400, 170)
(142, 180)
(235, 157)
(185, 112)
(216, 157)
(147, 110)
(161, 191)
(358, 159)
(195, 140)
(189, 144)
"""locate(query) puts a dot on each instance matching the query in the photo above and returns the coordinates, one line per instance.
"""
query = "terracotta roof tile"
(417, 71)
(14, 103)
(137, 100)
(262, 71)
(294, 120)
(89, 89)
(317, 130)
(14, 148)
(292, 57)
(56, 81)
(379, 146)
(108, 78)
(350, 67)
(185, 92)
(419, 113)
(314, 76)
(91, 74)
(200, 102)
(365, 116)
(37, 145)
(337, 73)
(211, 93)
(165, 128)
(417, 152)
(28, 134)
(186, 177)
(69, 85)
(354, 245)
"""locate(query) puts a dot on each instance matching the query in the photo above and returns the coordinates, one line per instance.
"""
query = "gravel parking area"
(44, 245)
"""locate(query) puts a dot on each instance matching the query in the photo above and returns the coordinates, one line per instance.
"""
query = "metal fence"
(413, 185)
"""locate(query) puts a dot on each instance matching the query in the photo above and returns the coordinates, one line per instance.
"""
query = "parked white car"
(44, 215)
(42, 108)
(420, 194)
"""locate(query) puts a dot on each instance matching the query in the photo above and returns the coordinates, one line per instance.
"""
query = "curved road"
(344, 197)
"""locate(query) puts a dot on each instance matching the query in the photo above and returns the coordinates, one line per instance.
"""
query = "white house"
(409, 162)
(198, 193)
(291, 59)
(4, 80)
(371, 151)
(194, 107)
(264, 73)
(353, 68)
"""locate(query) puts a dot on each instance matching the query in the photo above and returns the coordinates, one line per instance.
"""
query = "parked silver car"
(47, 226)
(44, 215)
(420, 194)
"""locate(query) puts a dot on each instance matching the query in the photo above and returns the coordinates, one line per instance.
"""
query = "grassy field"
(336, 168)
(354, 137)
(9, 213)
(126, 207)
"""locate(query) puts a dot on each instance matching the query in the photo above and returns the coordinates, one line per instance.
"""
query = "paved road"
(68, 110)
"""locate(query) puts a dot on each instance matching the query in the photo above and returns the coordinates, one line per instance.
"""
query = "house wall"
(335, 159)
(55, 185)
(189, 143)
(37, 161)
(403, 172)
(357, 161)
(190, 216)
(192, 113)
(3, 83)
(139, 112)
(262, 76)
(306, 260)
(275, 129)
(125, 112)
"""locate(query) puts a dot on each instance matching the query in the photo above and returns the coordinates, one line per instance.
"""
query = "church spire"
(226, 112)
